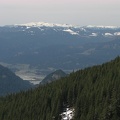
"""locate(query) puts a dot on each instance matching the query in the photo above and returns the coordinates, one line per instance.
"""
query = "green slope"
(93, 92)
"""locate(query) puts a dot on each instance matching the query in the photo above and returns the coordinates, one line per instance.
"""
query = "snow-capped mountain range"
(76, 30)
(41, 24)
(58, 46)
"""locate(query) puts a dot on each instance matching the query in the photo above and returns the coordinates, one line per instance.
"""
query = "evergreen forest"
(93, 92)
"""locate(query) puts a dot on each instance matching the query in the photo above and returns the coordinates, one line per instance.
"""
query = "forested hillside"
(94, 93)
(10, 83)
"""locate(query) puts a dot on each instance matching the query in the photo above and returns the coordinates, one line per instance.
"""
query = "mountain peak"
(54, 76)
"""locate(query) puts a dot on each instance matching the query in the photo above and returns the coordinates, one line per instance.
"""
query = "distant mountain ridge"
(71, 29)
(58, 45)
(40, 24)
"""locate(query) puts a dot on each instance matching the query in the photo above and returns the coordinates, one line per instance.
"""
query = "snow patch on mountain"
(83, 29)
(117, 33)
(108, 34)
(28, 27)
(68, 114)
(94, 34)
(41, 29)
(71, 32)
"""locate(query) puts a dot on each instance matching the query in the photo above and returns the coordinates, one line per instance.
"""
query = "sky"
(75, 12)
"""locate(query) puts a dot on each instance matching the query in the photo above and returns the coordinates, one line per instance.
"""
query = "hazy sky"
(76, 12)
